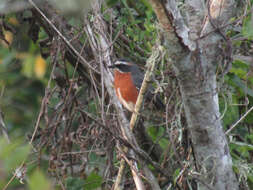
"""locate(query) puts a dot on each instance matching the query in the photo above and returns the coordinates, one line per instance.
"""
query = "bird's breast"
(125, 89)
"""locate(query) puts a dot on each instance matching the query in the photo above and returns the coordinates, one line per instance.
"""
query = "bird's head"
(123, 66)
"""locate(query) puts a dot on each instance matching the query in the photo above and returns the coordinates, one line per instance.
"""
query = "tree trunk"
(193, 48)
(200, 100)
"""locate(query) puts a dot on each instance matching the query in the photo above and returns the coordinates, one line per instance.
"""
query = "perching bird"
(127, 83)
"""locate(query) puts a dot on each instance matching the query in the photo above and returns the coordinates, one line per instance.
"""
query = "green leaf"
(238, 82)
(153, 132)
(164, 143)
(250, 180)
(249, 137)
(147, 4)
(175, 175)
(7, 57)
(243, 148)
(157, 132)
(13, 154)
(38, 181)
(92, 107)
(247, 28)
(28, 66)
(93, 181)
(249, 118)
(239, 72)
(240, 68)
(231, 113)
(74, 183)
(241, 64)
(111, 3)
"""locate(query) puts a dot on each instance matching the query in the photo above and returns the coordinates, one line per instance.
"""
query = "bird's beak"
(111, 66)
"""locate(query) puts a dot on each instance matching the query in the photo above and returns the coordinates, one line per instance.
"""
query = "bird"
(127, 83)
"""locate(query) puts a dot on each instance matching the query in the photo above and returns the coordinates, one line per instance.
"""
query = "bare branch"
(237, 122)
(3, 127)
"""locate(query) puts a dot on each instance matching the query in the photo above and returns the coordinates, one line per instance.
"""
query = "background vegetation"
(72, 148)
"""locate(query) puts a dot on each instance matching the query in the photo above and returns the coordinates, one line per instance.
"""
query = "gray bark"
(195, 65)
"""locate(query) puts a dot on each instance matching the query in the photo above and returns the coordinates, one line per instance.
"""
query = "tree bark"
(193, 48)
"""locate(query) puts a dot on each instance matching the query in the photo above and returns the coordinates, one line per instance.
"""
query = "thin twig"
(44, 101)
(120, 175)
(236, 123)
(2, 123)
(3, 127)
(12, 178)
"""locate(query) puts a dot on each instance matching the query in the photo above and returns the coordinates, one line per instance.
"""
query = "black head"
(123, 66)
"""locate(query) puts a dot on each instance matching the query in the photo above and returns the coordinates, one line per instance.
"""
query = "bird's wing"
(137, 76)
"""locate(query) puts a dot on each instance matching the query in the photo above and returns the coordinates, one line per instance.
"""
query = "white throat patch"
(128, 105)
